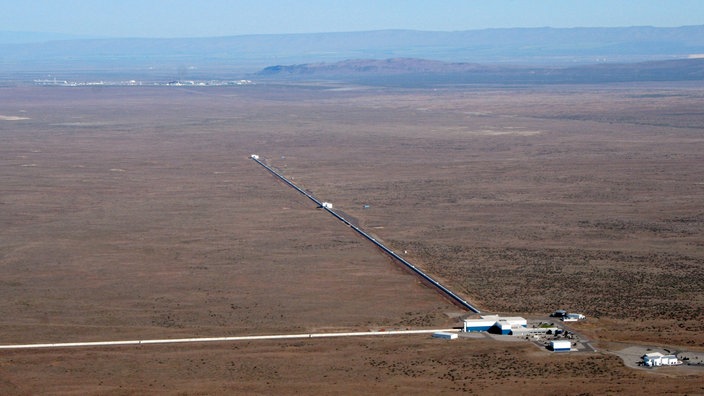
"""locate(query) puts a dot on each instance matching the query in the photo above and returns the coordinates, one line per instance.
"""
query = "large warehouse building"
(494, 324)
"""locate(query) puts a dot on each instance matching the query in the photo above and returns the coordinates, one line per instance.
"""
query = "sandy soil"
(135, 213)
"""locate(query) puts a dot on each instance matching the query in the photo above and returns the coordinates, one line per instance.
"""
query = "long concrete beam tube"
(444, 290)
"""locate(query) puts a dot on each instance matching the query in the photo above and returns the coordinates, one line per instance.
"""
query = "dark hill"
(375, 66)
(420, 72)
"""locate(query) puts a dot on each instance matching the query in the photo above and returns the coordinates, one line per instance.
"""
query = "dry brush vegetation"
(134, 212)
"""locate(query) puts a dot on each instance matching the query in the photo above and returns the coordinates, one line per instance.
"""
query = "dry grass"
(376, 366)
(141, 216)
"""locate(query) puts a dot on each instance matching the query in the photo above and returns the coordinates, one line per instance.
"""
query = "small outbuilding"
(561, 345)
(445, 335)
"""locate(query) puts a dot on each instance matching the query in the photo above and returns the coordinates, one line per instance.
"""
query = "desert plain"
(136, 213)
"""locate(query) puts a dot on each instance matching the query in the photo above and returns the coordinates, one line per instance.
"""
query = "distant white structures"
(657, 359)
(121, 83)
(495, 324)
(327, 205)
(561, 345)
(573, 317)
(254, 156)
(567, 317)
(445, 336)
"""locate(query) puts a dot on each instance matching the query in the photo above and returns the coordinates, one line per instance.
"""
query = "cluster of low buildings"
(507, 325)
(518, 326)
(515, 326)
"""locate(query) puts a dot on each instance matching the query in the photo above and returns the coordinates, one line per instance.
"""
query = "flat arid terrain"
(136, 213)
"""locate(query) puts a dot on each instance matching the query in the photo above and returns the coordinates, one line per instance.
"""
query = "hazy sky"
(188, 18)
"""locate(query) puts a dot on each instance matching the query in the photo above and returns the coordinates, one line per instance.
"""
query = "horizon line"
(72, 36)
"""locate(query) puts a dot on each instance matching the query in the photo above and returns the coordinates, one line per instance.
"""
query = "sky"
(203, 18)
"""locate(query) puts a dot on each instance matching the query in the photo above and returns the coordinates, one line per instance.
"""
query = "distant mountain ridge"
(422, 72)
(11, 37)
(225, 56)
